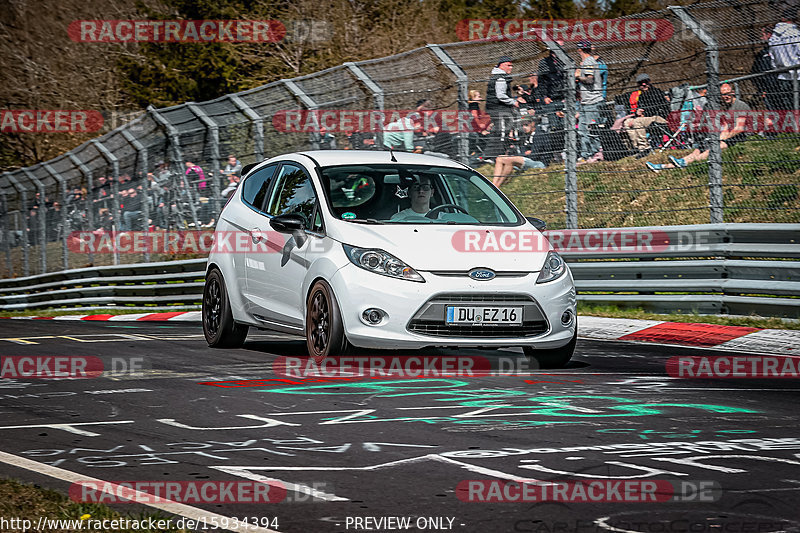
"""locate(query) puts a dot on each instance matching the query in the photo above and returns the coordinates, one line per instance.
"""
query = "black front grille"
(493, 298)
(440, 329)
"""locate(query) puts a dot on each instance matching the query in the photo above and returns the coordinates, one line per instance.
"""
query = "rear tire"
(552, 357)
(325, 335)
(218, 326)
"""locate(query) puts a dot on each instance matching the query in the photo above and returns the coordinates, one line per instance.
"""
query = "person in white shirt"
(784, 48)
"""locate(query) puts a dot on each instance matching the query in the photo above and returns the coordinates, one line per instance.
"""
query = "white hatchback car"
(384, 250)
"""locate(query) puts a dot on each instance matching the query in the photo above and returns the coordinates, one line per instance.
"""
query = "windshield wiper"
(367, 221)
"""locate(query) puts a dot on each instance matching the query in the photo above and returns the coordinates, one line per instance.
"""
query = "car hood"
(452, 247)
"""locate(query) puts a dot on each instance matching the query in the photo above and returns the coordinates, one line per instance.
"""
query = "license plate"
(483, 315)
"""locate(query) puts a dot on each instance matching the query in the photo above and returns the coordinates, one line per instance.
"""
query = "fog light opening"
(566, 318)
(372, 316)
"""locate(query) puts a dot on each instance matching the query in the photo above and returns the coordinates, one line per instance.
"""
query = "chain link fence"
(167, 169)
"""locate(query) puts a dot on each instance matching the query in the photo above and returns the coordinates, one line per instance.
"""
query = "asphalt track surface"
(394, 447)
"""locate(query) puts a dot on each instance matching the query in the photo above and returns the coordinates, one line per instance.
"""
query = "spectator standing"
(195, 175)
(652, 107)
(767, 83)
(500, 104)
(323, 140)
(591, 94)
(234, 166)
(399, 135)
(603, 69)
(784, 48)
(551, 78)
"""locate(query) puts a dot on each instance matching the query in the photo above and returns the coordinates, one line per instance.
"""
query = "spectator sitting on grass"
(505, 164)
(731, 134)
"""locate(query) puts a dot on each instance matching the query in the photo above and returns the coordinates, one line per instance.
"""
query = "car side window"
(293, 194)
(256, 187)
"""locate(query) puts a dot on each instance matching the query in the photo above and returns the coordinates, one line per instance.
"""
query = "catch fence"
(164, 170)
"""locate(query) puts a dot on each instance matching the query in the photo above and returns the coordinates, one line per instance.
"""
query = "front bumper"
(409, 305)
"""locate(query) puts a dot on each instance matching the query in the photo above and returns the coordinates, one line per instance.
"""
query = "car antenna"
(394, 160)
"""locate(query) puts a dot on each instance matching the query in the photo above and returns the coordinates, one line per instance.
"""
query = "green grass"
(104, 311)
(761, 180)
(25, 501)
(586, 309)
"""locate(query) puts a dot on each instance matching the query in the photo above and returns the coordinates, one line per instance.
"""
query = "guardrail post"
(258, 125)
(142, 154)
(22, 191)
(307, 101)
(377, 94)
(175, 157)
(65, 222)
(111, 158)
(463, 97)
(571, 145)
(89, 201)
(213, 132)
(6, 234)
(42, 219)
(713, 95)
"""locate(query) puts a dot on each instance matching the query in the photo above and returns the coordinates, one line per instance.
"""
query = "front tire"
(324, 328)
(552, 357)
(218, 326)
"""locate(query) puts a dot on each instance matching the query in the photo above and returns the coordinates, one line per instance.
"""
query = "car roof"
(327, 158)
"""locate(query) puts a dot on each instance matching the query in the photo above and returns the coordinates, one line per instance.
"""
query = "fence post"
(89, 200)
(213, 132)
(375, 89)
(42, 219)
(22, 191)
(111, 158)
(795, 91)
(571, 145)
(463, 96)
(142, 154)
(6, 233)
(308, 102)
(258, 125)
(715, 196)
(175, 158)
(65, 222)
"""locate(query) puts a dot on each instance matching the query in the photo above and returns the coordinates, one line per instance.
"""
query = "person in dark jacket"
(500, 104)
(766, 84)
(652, 108)
(552, 84)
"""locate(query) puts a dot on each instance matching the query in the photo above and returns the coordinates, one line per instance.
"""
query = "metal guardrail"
(709, 269)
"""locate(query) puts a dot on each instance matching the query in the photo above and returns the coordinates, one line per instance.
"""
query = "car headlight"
(382, 263)
(554, 267)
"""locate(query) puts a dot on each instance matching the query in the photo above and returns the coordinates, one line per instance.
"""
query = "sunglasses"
(421, 187)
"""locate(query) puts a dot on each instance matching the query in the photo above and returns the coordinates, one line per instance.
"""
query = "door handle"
(256, 235)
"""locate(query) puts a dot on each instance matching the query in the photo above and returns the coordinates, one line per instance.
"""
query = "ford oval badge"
(481, 274)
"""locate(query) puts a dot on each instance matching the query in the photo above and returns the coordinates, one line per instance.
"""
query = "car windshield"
(415, 194)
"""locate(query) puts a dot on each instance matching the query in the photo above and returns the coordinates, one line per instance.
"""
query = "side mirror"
(287, 223)
(538, 223)
(293, 224)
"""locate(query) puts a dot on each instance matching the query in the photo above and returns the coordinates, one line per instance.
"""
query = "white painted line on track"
(180, 509)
